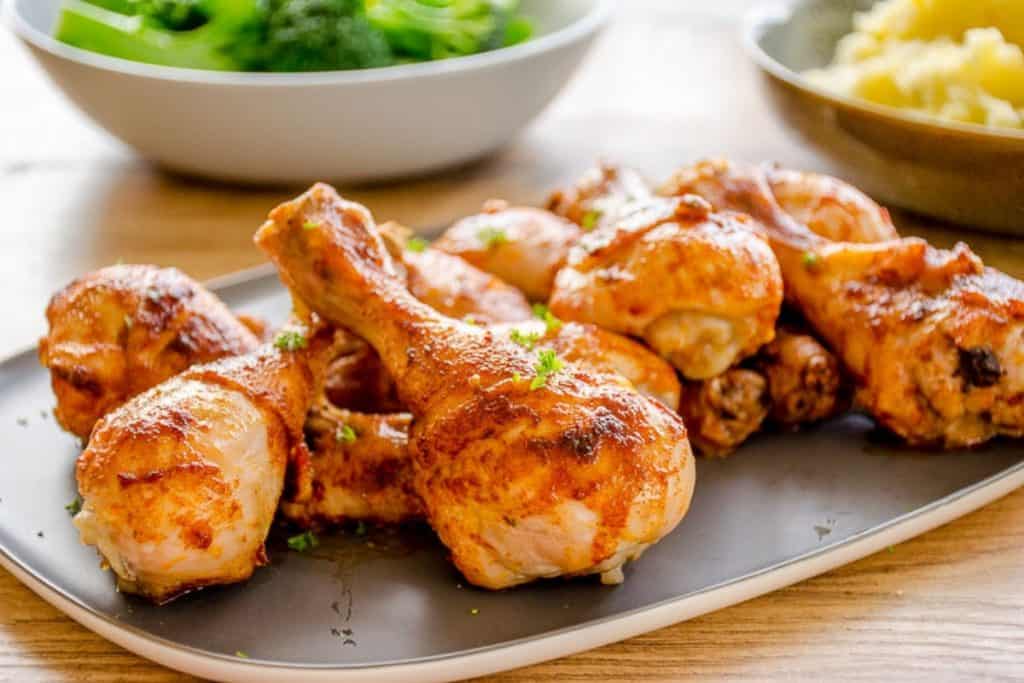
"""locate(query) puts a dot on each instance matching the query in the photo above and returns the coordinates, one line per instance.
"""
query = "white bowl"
(343, 126)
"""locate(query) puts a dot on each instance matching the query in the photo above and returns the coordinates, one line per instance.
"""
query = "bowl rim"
(757, 19)
(591, 22)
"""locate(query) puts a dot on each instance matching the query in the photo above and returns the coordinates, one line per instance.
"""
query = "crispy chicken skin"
(452, 286)
(180, 484)
(700, 287)
(825, 205)
(722, 412)
(606, 352)
(524, 246)
(121, 330)
(804, 380)
(575, 476)
(604, 195)
(363, 469)
(369, 475)
(931, 337)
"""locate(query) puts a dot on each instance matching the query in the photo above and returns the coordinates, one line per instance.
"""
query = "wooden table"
(668, 84)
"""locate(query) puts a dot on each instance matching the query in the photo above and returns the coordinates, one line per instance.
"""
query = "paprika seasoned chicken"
(603, 196)
(793, 381)
(932, 338)
(362, 468)
(724, 411)
(699, 286)
(528, 466)
(453, 286)
(180, 484)
(805, 384)
(524, 246)
(827, 206)
(121, 330)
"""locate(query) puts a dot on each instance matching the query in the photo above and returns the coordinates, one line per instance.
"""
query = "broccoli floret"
(217, 30)
(437, 29)
(319, 35)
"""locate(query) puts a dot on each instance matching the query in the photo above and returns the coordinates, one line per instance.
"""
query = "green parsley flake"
(241, 654)
(74, 507)
(307, 540)
(545, 314)
(290, 340)
(548, 363)
(517, 377)
(590, 219)
(470, 320)
(310, 225)
(345, 434)
(361, 528)
(474, 611)
(492, 237)
(527, 340)
(810, 260)
(416, 244)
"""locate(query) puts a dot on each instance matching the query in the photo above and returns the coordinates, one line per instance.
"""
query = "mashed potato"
(959, 60)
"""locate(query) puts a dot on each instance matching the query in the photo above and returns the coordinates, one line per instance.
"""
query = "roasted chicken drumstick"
(527, 467)
(180, 484)
(932, 338)
(699, 286)
(121, 330)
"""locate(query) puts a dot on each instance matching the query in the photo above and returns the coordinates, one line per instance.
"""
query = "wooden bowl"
(965, 173)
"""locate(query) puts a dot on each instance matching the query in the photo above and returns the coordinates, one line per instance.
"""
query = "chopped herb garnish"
(809, 260)
(345, 434)
(22, 421)
(492, 237)
(310, 225)
(545, 314)
(290, 340)
(470, 320)
(307, 540)
(527, 340)
(361, 528)
(74, 507)
(891, 549)
(590, 219)
(548, 363)
(241, 654)
(517, 377)
(474, 611)
(416, 244)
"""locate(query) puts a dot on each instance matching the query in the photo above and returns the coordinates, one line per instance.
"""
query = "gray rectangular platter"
(387, 605)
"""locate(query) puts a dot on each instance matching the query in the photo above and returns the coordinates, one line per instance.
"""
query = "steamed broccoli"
(146, 31)
(319, 35)
(288, 35)
(437, 29)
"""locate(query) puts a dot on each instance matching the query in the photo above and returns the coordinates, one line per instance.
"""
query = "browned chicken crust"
(700, 287)
(121, 330)
(453, 286)
(932, 338)
(805, 384)
(602, 196)
(827, 206)
(524, 246)
(362, 469)
(180, 484)
(521, 480)
(723, 412)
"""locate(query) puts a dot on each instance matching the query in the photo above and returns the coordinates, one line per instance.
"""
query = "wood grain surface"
(668, 83)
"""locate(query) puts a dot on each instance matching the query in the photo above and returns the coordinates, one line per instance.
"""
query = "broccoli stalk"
(144, 36)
